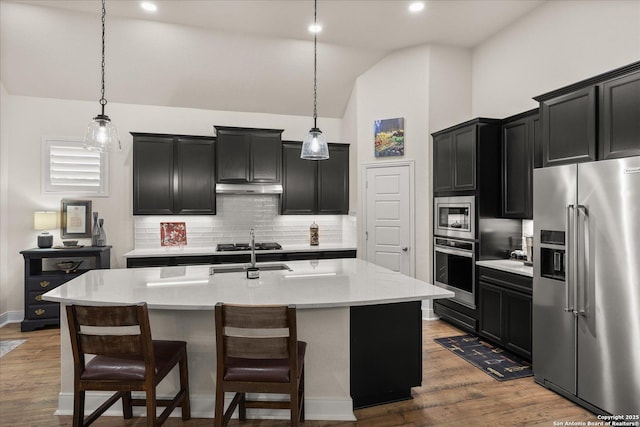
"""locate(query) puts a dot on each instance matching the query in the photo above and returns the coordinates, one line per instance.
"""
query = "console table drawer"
(45, 283)
(43, 311)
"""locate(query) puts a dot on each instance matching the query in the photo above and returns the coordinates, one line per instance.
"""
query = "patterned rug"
(498, 363)
(7, 345)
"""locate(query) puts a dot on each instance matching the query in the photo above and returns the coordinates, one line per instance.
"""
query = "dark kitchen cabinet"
(456, 151)
(518, 156)
(385, 352)
(620, 117)
(232, 258)
(505, 307)
(594, 119)
(173, 175)
(569, 127)
(454, 160)
(315, 187)
(248, 155)
(41, 274)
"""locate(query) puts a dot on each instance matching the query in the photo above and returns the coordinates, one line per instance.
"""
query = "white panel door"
(388, 219)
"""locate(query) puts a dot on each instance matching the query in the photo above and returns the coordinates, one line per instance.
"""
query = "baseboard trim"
(11, 317)
(202, 406)
(427, 311)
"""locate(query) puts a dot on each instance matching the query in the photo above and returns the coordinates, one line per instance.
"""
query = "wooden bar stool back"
(258, 351)
(125, 359)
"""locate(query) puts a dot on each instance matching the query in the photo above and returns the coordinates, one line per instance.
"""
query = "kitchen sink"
(243, 268)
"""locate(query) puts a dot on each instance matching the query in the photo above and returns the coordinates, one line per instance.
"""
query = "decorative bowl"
(68, 266)
(70, 242)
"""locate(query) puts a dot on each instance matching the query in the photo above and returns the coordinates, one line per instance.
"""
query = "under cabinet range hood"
(248, 189)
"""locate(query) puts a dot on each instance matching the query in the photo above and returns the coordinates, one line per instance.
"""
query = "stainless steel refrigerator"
(586, 283)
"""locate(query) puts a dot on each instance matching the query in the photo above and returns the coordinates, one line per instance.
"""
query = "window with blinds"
(67, 168)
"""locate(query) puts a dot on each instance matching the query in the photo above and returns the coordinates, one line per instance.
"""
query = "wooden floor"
(454, 393)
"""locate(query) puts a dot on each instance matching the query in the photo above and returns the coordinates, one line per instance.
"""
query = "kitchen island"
(362, 323)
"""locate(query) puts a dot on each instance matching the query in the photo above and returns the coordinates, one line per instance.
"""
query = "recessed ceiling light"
(315, 28)
(416, 6)
(148, 6)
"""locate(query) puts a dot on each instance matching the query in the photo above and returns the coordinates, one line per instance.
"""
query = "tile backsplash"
(237, 214)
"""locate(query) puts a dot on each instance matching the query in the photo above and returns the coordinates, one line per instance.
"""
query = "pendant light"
(314, 146)
(101, 134)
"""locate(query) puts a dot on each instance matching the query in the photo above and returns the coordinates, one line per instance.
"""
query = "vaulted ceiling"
(239, 55)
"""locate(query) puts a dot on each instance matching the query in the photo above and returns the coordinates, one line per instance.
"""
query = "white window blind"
(67, 168)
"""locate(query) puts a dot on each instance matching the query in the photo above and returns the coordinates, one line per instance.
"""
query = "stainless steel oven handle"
(453, 251)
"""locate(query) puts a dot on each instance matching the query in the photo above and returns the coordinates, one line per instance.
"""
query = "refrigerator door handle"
(582, 264)
(569, 280)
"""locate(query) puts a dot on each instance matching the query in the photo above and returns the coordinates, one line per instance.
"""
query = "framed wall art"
(75, 218)
(389, 137)
(173, 234)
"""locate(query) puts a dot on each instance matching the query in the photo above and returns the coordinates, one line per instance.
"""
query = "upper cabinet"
(520, 137)
(595, 119)
(248, 155)
(314, 187)
(457, 151)
(569, 128)
(454, 160)
(620, 117)
(173, 174)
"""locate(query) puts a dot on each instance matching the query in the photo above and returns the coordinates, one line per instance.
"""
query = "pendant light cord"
(103, 101)
(315, 66)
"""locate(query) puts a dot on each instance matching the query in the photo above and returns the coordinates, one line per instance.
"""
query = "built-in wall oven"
(454, 268)
(455, 217)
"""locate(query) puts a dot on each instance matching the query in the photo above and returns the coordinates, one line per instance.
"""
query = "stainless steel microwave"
(455, 217)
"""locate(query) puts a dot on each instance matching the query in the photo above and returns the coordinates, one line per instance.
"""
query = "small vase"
(95, 232)
(102, 237)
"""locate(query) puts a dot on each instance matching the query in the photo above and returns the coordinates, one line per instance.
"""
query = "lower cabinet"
(505, 306)
(167, 261)
(385, 352)
(459, 315)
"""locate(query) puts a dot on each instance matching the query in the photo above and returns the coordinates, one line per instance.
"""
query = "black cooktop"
(247, 247)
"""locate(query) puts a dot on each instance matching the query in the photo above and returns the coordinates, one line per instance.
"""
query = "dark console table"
(41, 274)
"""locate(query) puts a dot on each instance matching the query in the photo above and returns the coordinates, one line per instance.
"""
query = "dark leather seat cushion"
(262, 370)
(166, 353)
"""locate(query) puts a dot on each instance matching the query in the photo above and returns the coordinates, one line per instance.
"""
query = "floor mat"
(498, 363)
(7, 345)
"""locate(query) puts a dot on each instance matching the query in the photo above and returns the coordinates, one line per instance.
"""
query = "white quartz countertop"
(190, 251)
(309, 284)
(508, 265)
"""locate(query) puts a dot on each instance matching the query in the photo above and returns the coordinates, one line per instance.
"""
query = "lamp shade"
(45, 220)
(101, 135)
(314, 146)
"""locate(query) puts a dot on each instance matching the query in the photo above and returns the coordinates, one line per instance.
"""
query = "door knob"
(405, 249)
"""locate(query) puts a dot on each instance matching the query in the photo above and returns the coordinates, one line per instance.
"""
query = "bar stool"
(125, 359)
(258, 351)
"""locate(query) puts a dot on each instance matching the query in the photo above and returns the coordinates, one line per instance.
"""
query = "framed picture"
(75, 218)
(389, 137)
(173, 234)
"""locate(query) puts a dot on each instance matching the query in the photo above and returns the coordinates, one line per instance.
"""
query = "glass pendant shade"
(314, 146)
(101, 134)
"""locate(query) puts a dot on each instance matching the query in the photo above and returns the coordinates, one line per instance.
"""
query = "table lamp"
(45, 220)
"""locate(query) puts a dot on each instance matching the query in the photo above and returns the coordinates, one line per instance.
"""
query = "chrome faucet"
(253, 248)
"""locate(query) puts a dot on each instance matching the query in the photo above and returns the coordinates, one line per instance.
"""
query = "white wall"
(396, 87)
(4, 201)
(25, 120)
(430, 87)
(558, 43)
